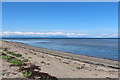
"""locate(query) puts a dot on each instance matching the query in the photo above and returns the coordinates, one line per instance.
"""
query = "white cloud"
(105, 34)
(55, 34)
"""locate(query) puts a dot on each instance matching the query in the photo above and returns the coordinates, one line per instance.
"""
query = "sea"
(101, 48)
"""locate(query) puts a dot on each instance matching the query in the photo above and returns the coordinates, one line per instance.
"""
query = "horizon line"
(52, 38)
(60, 1)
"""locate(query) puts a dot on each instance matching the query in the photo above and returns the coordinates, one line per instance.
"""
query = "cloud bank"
(55, 35)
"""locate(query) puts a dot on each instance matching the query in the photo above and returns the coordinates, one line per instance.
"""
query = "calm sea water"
(102, 48)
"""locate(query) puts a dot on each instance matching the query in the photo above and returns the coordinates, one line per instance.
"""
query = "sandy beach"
(60, 64)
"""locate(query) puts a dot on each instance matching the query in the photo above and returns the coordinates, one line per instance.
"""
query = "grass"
(5, 57)
(16, 62)
(18, 55)
(27, 73)
(12, 53)
(25, 60)
(12, 60)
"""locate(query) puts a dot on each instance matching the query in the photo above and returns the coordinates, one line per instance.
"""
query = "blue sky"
(94, 18)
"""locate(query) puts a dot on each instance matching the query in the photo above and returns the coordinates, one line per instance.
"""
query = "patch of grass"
(12, 53)
(31, 71)
(11, 60)
(78, 68)
(27, 73)
(25, 60)
(16, 62)
(6, 57)
(18, 55)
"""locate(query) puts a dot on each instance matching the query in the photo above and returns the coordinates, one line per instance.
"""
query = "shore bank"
(65, 65)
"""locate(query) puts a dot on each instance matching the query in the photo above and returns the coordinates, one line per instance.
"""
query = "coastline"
(77, 57)
(66, 59)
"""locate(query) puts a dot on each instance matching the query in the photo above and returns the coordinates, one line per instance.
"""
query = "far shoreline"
(76, 57)
(53, 38)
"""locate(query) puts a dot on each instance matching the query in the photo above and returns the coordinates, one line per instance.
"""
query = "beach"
(61, 64)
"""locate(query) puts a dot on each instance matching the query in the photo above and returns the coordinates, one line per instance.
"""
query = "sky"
(71, 19)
